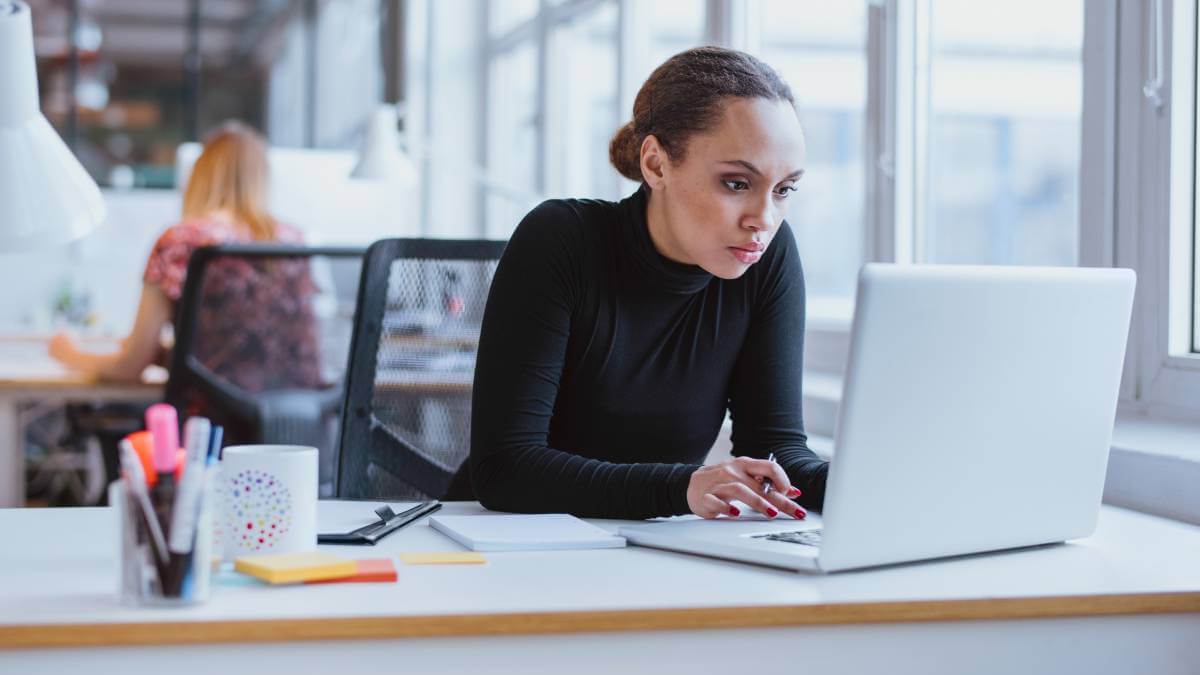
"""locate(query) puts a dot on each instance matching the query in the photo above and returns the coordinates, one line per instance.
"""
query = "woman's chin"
(727, 271)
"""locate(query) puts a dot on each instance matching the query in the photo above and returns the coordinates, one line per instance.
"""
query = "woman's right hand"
(62, 349)
(714, 487)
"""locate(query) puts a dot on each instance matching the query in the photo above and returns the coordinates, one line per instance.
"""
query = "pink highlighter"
(163, 423)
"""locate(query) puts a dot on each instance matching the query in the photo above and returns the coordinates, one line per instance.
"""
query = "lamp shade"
(46, 197)
(381, 157)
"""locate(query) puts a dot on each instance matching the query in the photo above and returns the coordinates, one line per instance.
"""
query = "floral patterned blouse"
(255, 325)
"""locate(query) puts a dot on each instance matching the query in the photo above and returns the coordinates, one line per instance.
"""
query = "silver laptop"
(976, 415)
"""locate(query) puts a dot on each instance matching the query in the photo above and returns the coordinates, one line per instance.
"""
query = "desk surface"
(57, 587)
(25, 365)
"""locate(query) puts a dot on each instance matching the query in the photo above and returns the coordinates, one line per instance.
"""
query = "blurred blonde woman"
(225, 202)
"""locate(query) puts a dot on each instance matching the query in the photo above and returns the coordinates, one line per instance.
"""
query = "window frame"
(1134, 213)
(1155, 203)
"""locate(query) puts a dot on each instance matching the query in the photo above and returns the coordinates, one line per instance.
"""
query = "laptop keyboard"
(802, 537)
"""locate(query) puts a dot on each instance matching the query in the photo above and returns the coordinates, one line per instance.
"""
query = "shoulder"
(191, 232)
(783, 255)
(167, 264)
(563, 226)
(286, 233)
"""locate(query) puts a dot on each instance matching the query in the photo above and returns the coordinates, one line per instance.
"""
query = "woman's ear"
(654, 161)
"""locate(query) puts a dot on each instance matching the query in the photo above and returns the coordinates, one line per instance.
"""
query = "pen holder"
(150, 574)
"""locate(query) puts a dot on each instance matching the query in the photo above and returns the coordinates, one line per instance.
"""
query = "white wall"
(107, 264)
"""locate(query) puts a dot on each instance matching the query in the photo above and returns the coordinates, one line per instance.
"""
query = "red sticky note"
(373, 569)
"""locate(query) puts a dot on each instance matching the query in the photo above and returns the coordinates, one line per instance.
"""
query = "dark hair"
(683, 97)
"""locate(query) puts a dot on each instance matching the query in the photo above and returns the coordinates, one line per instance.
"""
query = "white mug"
(268, 500)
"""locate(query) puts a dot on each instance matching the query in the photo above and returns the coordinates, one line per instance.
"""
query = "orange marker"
(143, 445)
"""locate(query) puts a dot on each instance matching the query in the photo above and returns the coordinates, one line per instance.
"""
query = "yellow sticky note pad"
(443, 558)
(288, 568)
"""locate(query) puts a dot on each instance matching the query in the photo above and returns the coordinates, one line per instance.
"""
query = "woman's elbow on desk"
(493, 479)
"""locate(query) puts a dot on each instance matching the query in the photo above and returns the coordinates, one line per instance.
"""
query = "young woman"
(617, 335)
(225, 202)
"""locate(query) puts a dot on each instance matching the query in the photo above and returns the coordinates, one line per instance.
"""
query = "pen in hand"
(766, 483)
(768, 487)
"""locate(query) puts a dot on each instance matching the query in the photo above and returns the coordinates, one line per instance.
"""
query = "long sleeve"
(523, 344)
(766, 391)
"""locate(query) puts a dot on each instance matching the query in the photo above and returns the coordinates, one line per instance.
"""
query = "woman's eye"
(783, 191)
(737, 185)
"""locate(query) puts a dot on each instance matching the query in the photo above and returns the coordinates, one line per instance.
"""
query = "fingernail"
(771, 513)
(733, 511)
(794, 492)
(800, 513)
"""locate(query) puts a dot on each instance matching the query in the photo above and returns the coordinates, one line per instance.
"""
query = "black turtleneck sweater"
(605, 370)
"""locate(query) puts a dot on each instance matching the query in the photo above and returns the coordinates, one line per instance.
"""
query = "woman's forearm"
(541, 480)
(114, 366)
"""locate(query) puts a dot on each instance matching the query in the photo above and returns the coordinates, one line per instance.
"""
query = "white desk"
(28, 374)
(1126, 600)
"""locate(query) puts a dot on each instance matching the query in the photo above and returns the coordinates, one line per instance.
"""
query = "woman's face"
(720, 207)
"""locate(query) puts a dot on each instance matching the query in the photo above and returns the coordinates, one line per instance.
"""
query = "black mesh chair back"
(407, 422)
(261, 341)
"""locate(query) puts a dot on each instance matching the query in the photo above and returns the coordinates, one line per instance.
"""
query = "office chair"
(261, 341)
(407, 418)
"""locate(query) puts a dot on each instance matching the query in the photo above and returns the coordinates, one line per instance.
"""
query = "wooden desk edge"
(546, 623)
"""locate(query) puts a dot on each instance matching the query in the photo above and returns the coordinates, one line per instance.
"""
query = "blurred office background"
(1025, 132)
(507, 102)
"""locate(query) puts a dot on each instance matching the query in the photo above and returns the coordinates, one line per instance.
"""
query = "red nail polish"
(800, 513)
(771, 513)
(733, 511)
(794, 492)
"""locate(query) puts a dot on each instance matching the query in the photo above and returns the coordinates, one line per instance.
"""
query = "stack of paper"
(537, 532)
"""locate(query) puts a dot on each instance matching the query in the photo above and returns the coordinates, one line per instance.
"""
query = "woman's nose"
(759, 220)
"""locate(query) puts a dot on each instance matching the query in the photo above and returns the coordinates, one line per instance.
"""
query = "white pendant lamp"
(46, 196)
(381, 157)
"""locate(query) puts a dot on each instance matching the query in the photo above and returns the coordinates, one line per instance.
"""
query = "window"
(675, 26)
(820, 50)
(1005, 89)
(1155, 215)
(512, 131)
(582, 104)
(939, 131)
(1194, 305)
(552, 100)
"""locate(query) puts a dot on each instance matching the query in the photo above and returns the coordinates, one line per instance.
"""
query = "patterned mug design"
(259, 510)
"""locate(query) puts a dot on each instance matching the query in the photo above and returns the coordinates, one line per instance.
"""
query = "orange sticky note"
(289, 568)
(373, 569)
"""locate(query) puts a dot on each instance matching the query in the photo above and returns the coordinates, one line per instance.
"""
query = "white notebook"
(537, 532)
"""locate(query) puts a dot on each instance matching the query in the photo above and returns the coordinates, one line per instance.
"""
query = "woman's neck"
(223, 215)
(657, 221)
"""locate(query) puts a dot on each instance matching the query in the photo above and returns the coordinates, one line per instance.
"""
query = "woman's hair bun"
(624, 152)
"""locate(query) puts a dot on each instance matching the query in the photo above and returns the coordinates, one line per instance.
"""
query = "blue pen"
(214, 447)
(210, 465)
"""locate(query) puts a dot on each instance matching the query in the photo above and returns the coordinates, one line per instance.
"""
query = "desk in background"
(29, 375)
(1125, 600)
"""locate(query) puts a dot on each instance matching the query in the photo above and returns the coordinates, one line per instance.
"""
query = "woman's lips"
(747, 256)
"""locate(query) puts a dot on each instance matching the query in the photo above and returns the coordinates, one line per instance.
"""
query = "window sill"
(1153, 467)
